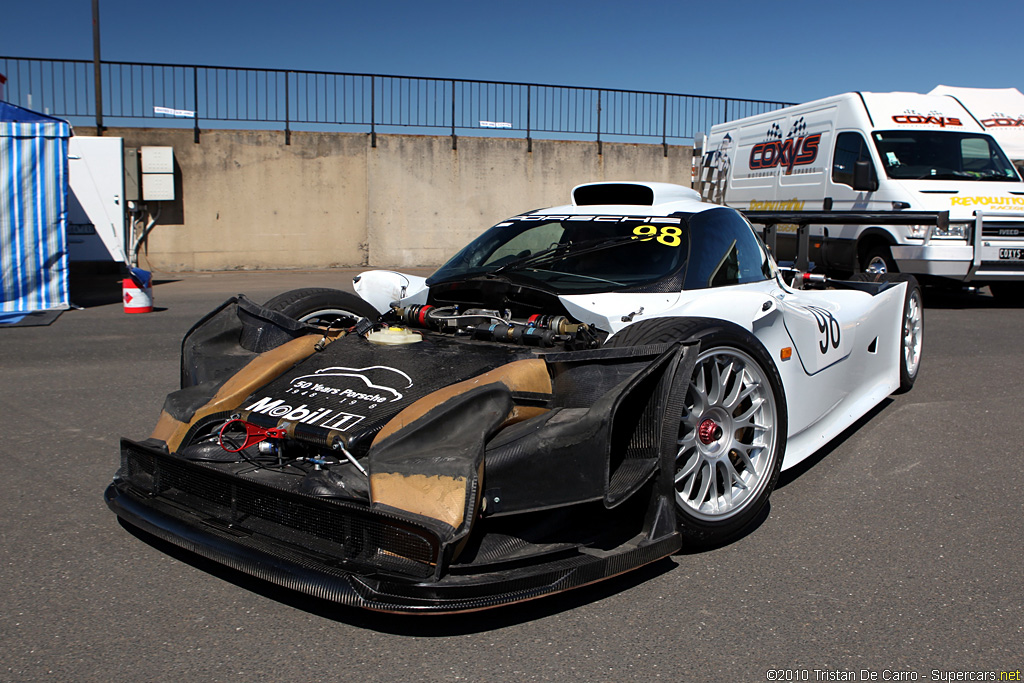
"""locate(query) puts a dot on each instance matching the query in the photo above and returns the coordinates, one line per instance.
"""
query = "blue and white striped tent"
(33, 210)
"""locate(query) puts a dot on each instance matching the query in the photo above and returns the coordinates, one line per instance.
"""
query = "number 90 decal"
(828, 327)
(669, 235)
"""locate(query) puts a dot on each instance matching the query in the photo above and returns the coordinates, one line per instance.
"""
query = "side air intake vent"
(613, 193)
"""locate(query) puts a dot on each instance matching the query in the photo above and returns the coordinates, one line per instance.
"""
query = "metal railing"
(226, 97)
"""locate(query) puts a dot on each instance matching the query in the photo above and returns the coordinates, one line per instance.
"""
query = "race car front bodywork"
(438, 476)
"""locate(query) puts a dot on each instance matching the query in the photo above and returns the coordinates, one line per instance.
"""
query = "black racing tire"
(736, 397)
(912, 336)
(879, 260)
(322, 306)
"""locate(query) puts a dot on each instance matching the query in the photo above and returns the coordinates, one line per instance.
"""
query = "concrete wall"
(248, 200)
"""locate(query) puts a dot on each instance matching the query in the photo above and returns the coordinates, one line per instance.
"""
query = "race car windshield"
(574, 253)
(570, 254)
(942, 155)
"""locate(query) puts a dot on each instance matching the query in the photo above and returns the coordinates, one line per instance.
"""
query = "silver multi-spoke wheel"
(913, 331)
(727, 438)
(732, 426)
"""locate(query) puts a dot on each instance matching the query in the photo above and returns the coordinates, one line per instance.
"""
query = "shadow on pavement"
(91, 289)
(957, 298)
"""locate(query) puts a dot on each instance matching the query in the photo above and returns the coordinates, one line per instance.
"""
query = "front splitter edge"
(294, 570)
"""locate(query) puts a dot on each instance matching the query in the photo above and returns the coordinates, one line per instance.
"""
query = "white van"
(879, 152)
(999, 110)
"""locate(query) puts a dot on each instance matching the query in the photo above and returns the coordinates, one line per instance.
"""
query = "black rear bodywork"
(543, 490)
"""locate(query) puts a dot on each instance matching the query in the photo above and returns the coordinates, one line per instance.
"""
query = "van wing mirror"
(864, 178)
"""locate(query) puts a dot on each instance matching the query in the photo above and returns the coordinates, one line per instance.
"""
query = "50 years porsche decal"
(372, 386)
(377, 381)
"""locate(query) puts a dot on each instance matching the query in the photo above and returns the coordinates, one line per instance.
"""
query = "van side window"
(850, 148)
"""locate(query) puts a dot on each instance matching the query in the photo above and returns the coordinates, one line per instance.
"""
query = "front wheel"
(879, 260)
(322, 306)
(732, 431)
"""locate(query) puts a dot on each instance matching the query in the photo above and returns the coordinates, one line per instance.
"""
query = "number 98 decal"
(669, 235)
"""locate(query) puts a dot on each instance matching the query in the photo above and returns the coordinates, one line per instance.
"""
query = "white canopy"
(1000, 110)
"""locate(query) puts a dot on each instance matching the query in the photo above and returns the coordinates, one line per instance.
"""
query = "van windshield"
(942, 155)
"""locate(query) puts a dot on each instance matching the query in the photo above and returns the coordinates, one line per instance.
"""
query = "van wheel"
(322, 306)
(732, 429)
(879, 260)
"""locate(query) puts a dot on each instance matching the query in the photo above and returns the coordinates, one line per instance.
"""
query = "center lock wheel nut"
(709, 431)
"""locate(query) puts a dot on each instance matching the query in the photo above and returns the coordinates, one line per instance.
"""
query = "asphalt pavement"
(898, 552)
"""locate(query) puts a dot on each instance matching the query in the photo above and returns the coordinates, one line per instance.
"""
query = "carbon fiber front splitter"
(323, 578)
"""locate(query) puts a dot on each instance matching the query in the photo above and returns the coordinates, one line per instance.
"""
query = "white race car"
(787, 360)
(579, 391)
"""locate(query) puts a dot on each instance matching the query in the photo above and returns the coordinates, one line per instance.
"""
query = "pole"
(97, 77)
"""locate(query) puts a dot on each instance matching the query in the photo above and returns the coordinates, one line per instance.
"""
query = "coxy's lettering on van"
(786, 153)
(1002, 121)
(921, 120)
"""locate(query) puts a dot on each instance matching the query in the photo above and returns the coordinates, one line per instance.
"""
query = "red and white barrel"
(137, 292)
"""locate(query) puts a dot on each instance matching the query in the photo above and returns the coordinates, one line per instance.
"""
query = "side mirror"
(864, 179)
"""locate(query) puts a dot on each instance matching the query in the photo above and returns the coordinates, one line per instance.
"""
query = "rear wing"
(802, 219)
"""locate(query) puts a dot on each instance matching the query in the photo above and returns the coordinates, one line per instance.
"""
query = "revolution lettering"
(987, 201)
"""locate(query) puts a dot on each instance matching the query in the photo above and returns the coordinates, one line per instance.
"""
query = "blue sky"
(790, 51)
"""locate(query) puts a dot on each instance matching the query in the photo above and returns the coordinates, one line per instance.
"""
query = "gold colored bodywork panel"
(256, 373)
(439, 497)
(442, 497)
(530, 375)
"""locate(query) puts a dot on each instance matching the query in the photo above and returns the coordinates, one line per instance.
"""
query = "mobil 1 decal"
(795, 149)
(336, 397)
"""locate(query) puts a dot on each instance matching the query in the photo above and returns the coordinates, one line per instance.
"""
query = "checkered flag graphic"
(799, 128)
(774, 133)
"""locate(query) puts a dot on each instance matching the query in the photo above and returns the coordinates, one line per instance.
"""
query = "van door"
(801, 179)
(839, 250)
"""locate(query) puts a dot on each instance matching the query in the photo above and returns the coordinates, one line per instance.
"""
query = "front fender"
(380, 287)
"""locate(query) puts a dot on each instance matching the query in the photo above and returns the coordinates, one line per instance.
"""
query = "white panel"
(96, 199)
(158, 160)
(157, 186)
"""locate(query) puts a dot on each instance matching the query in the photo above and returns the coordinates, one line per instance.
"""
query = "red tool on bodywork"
(253, 434)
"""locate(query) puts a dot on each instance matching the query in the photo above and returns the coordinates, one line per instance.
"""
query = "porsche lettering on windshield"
(667, 220)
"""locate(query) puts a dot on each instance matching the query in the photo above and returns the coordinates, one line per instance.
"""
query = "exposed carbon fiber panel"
(346, 532)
